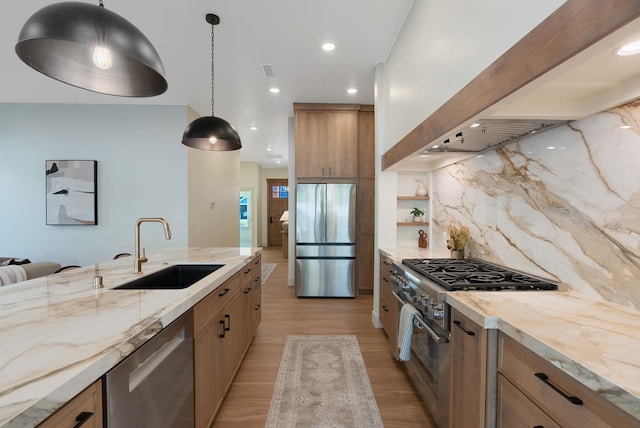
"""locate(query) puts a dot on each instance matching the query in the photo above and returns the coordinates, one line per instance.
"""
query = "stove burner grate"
(473, 274)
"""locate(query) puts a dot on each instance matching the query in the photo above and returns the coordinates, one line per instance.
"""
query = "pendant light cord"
(212, 73)
(101, 5)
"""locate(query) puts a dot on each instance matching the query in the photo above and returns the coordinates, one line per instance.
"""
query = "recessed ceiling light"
(474, 125)
(274, 90)
(629, 49)
(352, 91)
(268, 148)
(328, 46)
(435, 147)
(424, 156)
(253, 128)
(625, 127)
(551, 147)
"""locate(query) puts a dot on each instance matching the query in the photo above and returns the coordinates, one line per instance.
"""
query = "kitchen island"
(594, 342)
(59, 334)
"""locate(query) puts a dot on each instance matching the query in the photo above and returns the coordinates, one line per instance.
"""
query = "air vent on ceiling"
(267, 69)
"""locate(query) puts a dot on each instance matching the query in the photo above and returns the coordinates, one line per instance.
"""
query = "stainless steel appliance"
(424, 284)
(325, 239)
(153, 387)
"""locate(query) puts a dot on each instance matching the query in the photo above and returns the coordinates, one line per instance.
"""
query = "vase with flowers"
(458, 239)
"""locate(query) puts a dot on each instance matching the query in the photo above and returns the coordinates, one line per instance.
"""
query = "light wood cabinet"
(84, 410)
(326, 143)
(389, 305)
(557, 395)
(365, 234)
(516, 410)
(469, 362)
(225, 323)
(366, 143)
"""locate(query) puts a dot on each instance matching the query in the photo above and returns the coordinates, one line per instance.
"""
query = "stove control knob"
(435, 312)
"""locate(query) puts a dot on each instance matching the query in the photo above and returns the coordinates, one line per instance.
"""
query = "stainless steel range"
(424, 284)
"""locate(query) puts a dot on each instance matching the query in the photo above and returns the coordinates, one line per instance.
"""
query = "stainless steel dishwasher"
(153, 387)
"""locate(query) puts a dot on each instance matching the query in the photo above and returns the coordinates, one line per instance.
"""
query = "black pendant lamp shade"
(93, 48)
(210, 132)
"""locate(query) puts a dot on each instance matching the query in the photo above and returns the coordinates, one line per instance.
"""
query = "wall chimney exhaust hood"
(562, 81)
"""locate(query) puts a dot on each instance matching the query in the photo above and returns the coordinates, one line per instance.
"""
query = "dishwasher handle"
(146, 367)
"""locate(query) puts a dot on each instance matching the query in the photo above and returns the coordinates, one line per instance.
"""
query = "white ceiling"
(285, 34)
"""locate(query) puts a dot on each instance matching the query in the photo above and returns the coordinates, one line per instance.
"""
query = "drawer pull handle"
(385, 279)
(247, 290)
(227, 327)
(257, 307)
(538, 426)
(82, 418)
(221, 336)
(461, 327)
(572, 399)
(384, 307)
(226, 290)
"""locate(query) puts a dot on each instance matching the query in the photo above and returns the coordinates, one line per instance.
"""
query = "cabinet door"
(515, 410)
(209, 381)
(365, 265)
(310, 143)
(84, 409)
(341, 144)
(468, 372)
(366, 144)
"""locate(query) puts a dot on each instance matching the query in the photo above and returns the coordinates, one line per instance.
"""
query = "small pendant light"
(92, 48)
(210, 132)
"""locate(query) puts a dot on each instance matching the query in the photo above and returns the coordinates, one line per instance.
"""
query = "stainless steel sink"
(172, 278)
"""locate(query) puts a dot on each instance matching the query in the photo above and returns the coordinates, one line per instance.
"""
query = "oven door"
(429, 369)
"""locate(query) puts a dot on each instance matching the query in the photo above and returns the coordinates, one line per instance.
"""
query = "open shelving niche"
(402, 209)
(407, 231)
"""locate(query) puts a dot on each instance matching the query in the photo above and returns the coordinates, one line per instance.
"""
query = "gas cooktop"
(474, 274)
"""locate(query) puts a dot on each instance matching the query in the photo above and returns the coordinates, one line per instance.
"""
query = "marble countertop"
(59, 335)
(593, 341)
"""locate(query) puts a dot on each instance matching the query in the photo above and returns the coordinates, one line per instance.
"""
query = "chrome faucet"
(137, 270)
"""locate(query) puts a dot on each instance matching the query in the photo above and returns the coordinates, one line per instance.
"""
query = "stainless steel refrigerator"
(326, 240)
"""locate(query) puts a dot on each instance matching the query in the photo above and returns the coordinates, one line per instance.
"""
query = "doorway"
(277, 204)
(246, 219)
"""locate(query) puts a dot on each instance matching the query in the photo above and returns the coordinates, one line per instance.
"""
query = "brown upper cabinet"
(326, 140)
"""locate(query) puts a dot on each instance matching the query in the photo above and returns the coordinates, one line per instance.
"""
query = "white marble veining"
(593, 341)
(563, 204)
(58, 335)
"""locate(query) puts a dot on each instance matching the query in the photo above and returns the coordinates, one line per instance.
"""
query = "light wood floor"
(247, 403)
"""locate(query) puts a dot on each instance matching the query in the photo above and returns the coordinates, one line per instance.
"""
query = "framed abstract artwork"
(72, 192)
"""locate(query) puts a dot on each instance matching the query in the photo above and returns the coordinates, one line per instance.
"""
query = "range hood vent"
(489, 134)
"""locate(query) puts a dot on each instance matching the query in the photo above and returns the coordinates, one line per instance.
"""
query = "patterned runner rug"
(323, 382)
(267, 268)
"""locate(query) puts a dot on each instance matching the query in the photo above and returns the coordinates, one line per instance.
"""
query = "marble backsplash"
(564, 204)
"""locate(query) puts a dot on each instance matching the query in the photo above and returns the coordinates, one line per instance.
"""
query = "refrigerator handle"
(270, 220)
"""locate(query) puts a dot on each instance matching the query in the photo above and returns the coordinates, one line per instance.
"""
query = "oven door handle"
(418, 318)
(432, 332)
(398, 297)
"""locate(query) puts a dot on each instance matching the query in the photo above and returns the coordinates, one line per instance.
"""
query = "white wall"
(142, 172)
(441, 47)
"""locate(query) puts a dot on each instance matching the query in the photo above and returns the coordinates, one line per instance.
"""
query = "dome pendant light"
(92, 48)
(210, 132)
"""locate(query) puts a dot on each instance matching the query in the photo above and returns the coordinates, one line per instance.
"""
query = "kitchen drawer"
(86, 406)
(385, 268)
(207, 308)
(516, 410)
(251, 270)
(385, 314)
(525, 370)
